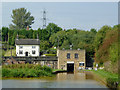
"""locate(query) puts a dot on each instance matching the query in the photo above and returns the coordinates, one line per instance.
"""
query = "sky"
(67, 15)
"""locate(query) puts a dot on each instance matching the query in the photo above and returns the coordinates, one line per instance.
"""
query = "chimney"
(27, 27)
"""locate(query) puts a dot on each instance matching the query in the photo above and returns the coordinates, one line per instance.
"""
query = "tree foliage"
(21, 19)
(100, 45)
(108, 49)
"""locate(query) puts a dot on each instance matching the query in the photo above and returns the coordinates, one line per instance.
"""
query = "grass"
(57, 70)
(25, 70)
(50, 54)
(8, 53)
(105, 74)
(110, 78)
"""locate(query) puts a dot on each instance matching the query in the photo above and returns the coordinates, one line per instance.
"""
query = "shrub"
(5, 72)
(112, 82)
(46, 68)
(25, 70)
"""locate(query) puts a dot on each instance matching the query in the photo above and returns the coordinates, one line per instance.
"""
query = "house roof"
(27, 42)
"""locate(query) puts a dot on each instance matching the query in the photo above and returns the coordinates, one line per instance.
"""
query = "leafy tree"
(45, 34)
(57, 38)
(13, 38)
(44, 45)
(4, 34)
(29, 34)
(100, 36)
(105, 50)
(21, 19)
(93, 30)
(52, 28)
(40, 33)
(113, 52)
(33, 35)
(65, 45)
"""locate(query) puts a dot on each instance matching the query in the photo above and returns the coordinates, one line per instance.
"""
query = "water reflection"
(71, 76)
(61, 80)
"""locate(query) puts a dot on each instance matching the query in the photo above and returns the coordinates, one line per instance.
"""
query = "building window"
(20, 51)
(33, 51)
(33, 46)
(20, 47)
(81, 64)
(76, 55)
(68, 55)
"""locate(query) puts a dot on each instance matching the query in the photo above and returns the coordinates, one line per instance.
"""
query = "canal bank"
(60, 80)
(109, 79)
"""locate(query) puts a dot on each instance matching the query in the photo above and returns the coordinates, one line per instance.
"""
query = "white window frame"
(20, 51)
(33, 51)
(20, 47)
(33, 46)
(81, 63)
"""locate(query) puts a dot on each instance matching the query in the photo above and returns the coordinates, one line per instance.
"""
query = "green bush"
(5, 72)
(46, 68)
(25, 70)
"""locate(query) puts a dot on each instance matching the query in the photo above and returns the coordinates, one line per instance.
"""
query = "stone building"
(71, 60)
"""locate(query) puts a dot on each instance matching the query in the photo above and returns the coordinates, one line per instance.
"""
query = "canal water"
(61, 80)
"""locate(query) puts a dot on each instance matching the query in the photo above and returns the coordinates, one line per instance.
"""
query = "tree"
(52, 28)
(21, 19)
(100, 36)
(13, 38)
(4, 34)
(44, 45)
(57, 38)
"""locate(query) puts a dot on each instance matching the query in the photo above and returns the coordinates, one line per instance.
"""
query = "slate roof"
(27, 42)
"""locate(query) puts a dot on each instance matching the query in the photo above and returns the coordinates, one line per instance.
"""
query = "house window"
(68, 55)
(20, 47)
(81, 64)
(33, 46)
(33, 51)
(76, 55)
(20, 51)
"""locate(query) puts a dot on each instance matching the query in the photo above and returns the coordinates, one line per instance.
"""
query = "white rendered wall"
(27, 48)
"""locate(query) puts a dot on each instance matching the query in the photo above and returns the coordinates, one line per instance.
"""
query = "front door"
(26, 53)
(70, 66)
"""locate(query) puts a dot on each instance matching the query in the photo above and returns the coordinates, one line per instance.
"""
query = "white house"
(27, 47)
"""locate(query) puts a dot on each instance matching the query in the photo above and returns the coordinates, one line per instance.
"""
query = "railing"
(39, 58)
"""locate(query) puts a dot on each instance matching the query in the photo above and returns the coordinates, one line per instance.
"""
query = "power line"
(44, 19)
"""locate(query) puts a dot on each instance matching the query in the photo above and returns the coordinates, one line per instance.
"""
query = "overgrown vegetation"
(25, 70)
(111, 78)
(106, 48)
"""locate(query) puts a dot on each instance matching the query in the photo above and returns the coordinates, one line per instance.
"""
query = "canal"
(60, 80)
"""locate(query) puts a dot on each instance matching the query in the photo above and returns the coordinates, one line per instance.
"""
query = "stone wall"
(52, 64)
(62, 58)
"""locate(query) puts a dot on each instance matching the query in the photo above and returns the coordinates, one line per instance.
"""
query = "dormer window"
(33, 46)
(20, 47)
